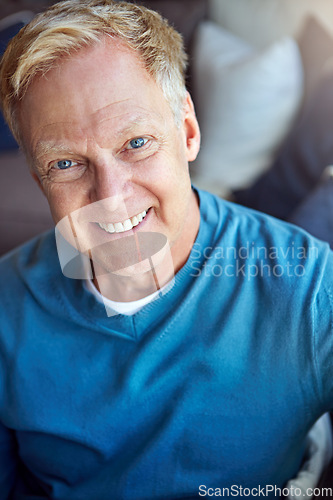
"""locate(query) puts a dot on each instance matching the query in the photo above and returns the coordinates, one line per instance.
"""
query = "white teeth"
(120, 227)
(109, 228)
(142, 215)
(135, 221)
(127, 225)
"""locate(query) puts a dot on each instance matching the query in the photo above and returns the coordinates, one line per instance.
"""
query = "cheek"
(63, 200)
(169, 169)
(173, 190)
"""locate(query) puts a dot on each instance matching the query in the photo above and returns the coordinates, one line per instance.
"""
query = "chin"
(120, 266)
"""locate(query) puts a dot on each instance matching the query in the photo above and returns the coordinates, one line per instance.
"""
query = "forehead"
(105, 85)
(117, 126)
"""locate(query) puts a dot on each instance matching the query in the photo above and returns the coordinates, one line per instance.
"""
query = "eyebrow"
(43, 148)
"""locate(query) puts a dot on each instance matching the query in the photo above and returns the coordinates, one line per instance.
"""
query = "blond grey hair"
(68, 26)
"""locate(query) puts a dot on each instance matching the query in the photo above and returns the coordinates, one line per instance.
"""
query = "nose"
(112, 180)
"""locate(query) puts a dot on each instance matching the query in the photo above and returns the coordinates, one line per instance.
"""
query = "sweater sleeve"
(323, 335)
(8, 462)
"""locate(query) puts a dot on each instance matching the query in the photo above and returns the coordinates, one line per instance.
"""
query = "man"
(195, 349)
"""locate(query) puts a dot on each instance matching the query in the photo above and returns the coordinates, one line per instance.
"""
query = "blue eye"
(138, 142)
(63, 164)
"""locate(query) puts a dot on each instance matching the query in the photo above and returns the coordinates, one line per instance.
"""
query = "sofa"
(261, 77)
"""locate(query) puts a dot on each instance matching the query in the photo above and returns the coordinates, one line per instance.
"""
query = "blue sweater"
(215, 383)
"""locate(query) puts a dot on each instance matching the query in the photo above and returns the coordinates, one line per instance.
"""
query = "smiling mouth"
(126, 225)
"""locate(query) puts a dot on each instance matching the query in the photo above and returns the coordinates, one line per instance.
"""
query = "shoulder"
(241, 224)
(28, 263)
(255, 239)
(25, 288)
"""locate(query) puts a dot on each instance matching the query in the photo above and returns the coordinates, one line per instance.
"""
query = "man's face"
(104, 147)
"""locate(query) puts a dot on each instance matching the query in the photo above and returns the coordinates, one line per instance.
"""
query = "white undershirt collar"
(126, 308)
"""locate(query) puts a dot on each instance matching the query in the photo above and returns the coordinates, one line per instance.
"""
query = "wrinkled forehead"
(112, 126)
(98, 86)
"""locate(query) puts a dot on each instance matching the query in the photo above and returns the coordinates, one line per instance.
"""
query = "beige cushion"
(261, 22)
(246, 102)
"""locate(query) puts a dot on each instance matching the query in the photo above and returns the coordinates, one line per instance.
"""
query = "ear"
(192, 130)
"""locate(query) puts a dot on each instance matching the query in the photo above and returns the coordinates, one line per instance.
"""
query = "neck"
(122, 288)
